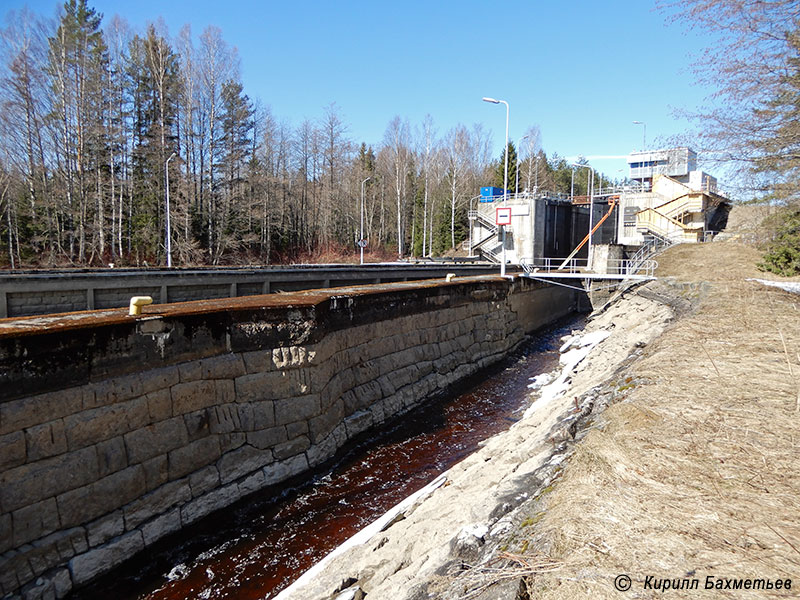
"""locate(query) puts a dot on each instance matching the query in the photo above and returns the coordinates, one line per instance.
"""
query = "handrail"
(617, 266)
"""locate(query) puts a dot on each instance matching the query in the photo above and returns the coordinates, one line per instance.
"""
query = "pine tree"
(77, 66)
(499, 172)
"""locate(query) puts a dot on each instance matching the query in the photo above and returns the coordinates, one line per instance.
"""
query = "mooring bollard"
(137, 302)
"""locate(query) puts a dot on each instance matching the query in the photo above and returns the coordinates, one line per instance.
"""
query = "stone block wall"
(163, 419)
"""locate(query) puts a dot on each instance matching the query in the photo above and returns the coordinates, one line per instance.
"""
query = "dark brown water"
(260, 545)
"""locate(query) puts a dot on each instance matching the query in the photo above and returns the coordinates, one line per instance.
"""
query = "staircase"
(489, 251)
(653, 222)
(664, 221)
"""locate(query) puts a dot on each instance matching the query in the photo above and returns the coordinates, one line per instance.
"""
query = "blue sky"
(582, 71)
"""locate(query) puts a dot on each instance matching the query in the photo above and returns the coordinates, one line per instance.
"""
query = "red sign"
(503, 216)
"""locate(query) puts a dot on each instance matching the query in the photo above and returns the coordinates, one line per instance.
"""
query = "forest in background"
(98, 119)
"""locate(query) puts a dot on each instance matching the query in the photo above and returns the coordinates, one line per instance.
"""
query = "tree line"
(97, 120)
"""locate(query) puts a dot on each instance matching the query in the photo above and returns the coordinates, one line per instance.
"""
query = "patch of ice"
(568, 343)
(569, 360)
(540, 380)
(595, 337)
(477, 531)
(574, 356)
(787, 286)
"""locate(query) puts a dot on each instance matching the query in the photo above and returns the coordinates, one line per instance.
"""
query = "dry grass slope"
(695, 473)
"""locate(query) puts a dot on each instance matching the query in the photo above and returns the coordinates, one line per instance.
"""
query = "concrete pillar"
(90, 299)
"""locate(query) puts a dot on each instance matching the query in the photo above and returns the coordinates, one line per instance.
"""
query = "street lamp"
(644, 133)
(589, 193)
(516, 185)
(505, 183)
(361, 239)
(168, 232)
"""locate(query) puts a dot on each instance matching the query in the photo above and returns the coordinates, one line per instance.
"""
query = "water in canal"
(260, 545)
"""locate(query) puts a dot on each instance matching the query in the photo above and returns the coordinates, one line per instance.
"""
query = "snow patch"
(787, 286)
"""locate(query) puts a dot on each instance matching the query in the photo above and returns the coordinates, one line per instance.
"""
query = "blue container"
(490, 193)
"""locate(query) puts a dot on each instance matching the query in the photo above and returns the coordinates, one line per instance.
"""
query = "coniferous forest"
(98, 119)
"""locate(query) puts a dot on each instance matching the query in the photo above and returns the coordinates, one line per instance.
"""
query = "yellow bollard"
(137, 302)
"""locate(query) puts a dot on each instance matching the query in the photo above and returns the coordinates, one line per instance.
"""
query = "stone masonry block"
(351, 403)
(242, 461)
(366, 371)
(105, 528)
(193, 456)
(291, 448)
(161, 526)
(156, 380)
(252, 483)
(280, 471)
(6, 533)
(245, 416)
(34, 521)
(27, 412)
(368, 393)
(225, 418)
(322, 425)
(224, 366)
(156, 471)
(198, 423)
(263, 414)
(87, 503)
(117, 389)
(156, 439)
(214, 500)
(111, 456)
(254, 387)
(45, 440)
(191, 396)
(319, 453)
(55, 549)
(267, 438)
(12, 450)
(231, 441)
(296, 429)
(159, 405)
(358, 423)
(190, 371)
(33, 482)
(89, 565)
(225, 390)
(204, 480)
(91, 426)
(257, 361)
(157, 502)
(291, 410)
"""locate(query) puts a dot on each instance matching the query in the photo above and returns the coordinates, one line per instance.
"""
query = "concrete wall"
(117, 430)
(46, 292)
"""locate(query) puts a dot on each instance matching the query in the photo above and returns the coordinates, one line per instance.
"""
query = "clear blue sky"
(582, 71)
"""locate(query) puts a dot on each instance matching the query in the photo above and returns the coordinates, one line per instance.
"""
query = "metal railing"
(616, 266)
(574, 265)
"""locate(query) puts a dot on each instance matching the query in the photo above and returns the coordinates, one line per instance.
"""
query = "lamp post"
(644, 133)
(168, 232)
(505, 183)
(589, 193)
(361, 239)
(516, 184)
